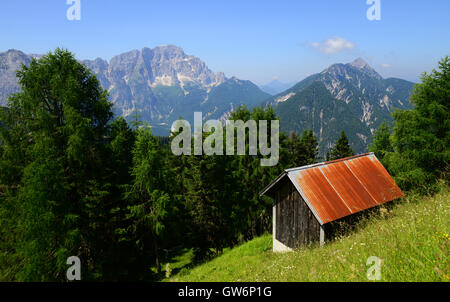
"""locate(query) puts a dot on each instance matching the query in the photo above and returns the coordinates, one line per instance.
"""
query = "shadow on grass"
(175, 260)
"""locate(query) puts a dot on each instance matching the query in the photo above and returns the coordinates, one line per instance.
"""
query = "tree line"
(75, 181)
(415, 148)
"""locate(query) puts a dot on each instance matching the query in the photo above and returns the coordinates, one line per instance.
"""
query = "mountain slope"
(411, 239)
(355, 98)
(315, 107)
(162, 83)
(10, 62)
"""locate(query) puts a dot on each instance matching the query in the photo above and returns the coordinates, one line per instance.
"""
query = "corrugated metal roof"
(342, 187)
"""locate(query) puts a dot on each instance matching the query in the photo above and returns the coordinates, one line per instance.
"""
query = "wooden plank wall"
(295, 223)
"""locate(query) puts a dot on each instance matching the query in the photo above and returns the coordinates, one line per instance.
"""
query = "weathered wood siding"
(295, 223)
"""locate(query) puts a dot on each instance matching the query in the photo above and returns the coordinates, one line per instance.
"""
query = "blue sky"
(256, 40)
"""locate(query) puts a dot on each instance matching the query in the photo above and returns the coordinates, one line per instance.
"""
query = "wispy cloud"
(333, 45)
(384, 65)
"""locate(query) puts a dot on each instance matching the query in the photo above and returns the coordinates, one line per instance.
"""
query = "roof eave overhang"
(266, 190)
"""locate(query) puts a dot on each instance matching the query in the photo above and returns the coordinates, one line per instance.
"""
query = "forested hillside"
(76, 181)
(413, 250)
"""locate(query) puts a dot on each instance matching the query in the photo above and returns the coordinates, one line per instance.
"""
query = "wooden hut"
(307, 199)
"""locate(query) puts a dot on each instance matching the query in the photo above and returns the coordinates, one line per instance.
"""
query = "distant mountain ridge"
(162, 83)
(274, 87)
(351, 97)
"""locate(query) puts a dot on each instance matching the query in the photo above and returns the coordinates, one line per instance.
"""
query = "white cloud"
(333, 45)
(384, 65)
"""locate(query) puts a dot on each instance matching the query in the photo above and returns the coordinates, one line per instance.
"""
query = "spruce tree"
(342, 148)
(381, 142)
(250, 177)
(421, 136)
(148, 194)
(311, 149)
(296, 150)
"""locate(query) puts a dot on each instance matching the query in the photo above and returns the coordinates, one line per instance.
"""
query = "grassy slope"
(411, 239)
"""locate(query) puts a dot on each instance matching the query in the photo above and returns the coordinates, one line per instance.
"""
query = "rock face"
(162, 83)
(352, 96)
(10, 62)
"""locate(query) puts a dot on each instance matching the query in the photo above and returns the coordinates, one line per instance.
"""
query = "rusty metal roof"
(339, 188)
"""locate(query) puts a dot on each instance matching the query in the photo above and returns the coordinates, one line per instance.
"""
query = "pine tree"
(149, 194)
(54, 146)
(250, 177)
(136, 118)
(309, 141)
(208, 185)
(296, 150)
(118, 256)
(381, 142)
(342, 148)
(421, 136)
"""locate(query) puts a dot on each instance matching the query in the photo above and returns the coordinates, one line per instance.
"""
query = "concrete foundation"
(277, 245)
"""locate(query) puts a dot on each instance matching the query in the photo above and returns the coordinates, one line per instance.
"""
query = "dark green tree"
(302, 150)
(149, 194)
(136, 116)
(421, 136)
(54, 146)
(118, 261)
(295, 150)
(311, 146)
(341, 149)
(208, 186)
(381, 142)
(250, 177)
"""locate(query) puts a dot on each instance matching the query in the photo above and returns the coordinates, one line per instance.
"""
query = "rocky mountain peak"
(13, 57)
(351, 96)
(169, 51)
(354, 72)
(359, 63)
(363, 66)
(220, 77)
(13, 51)
(166, 65)
(163, 83)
